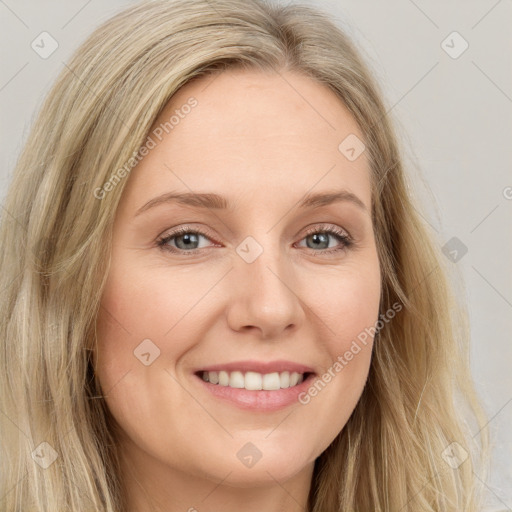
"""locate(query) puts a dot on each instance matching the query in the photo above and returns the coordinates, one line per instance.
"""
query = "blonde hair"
(55, 250)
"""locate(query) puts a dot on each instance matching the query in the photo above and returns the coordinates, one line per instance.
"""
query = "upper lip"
(259, 367)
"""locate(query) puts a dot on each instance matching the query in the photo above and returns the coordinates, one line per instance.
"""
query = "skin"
(262, 140)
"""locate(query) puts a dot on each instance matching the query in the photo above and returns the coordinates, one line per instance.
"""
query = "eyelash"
(342, 236)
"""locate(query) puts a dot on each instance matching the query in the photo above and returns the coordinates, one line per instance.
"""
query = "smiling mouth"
(254, 381)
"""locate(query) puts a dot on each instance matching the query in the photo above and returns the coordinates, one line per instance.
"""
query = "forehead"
(254, 131)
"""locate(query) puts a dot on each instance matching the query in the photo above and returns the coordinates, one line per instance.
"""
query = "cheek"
(347, 306)
(141, 303)
(147, 315)
(135, 316)
(347, 302)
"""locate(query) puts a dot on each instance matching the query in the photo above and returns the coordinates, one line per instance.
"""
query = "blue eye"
(320, 239)
(186, 240)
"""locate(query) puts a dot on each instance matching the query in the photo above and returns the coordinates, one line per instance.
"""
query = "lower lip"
(260, 400)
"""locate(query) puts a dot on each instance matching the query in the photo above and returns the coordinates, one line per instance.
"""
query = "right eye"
(186, 241)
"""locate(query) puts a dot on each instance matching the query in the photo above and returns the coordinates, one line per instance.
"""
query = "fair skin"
(262, 141)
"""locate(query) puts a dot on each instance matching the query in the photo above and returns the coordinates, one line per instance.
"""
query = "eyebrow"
(217, 202)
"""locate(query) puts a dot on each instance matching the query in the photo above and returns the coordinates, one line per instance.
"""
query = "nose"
(264, 298)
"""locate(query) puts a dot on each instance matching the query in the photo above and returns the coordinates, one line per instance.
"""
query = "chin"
(264, 471)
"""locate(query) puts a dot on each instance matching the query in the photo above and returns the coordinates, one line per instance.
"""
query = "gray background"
(453, 114)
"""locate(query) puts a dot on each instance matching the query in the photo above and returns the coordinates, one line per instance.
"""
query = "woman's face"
(274, 270)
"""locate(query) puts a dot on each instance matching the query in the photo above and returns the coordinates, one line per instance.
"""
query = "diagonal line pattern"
(402, 97)
(200, 299)
(439, 472)
(492, 491)
(12, 281)
(200, 404)
(82, 492)
(493, 287)
(303, 507)
(424, 279)
(91, 91)
(312, 187)
(286, 213)
(12, 216)
(501, 409)
(485, 15)
(383, 177)
(216, 487)
(305, 100)
(215, 76)
(76, 14)
(280, 423)
(424, 14)
(2, 2)
(15, 424)
(115, 319)
(14, 76)
(209, 209)
(412, 88)
(14, 486)
(484, 218)
(214, 8)
(302, 301)
(424, 218)
(492, 81)
(110, 390)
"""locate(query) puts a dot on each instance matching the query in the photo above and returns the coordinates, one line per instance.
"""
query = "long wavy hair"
(55, 237)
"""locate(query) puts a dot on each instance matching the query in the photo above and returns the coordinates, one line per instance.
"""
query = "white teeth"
(223, 378)
(253, 380)
(236, 380)
(271, 381)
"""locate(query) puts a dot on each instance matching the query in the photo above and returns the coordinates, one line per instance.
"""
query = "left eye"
(320, 239)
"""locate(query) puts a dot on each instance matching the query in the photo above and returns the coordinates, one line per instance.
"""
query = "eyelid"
(327, 227)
